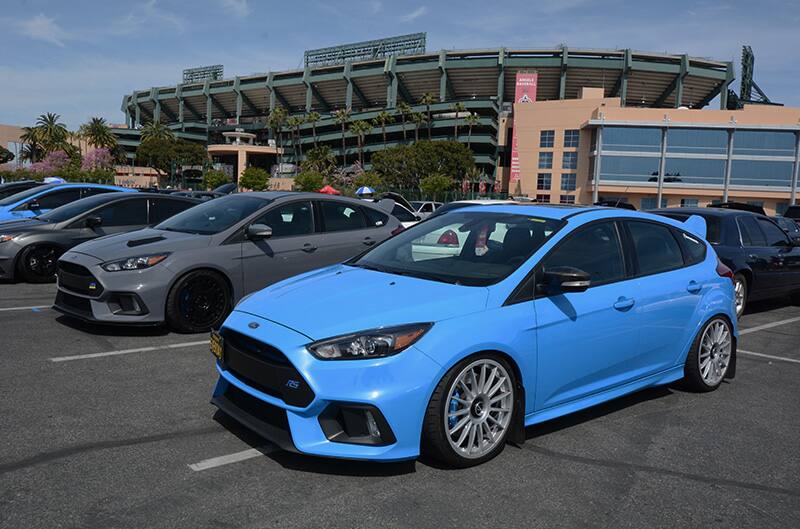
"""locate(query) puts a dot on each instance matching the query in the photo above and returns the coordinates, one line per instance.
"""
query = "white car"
(425, 208)
(406, 217)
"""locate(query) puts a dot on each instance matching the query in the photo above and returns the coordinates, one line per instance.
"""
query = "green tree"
(5, 155)
(428, 99)
(458, 108)
(308, 181)
(434, 184)
(32, 151)
(405, 111)
(471, 120)
(360, 129)
(342, 117)
(255, 179)
(158, 153)
(294, 123)
(369, 179)
(155, 130)
(214, 178)
(97, 133)
(52, 134)
(276, 121)
(382, 119)
(405, 166)
(189, 153)
(419, 119)
(313, 117)
(320, 160)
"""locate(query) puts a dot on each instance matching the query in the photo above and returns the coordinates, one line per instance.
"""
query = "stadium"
(579, 93)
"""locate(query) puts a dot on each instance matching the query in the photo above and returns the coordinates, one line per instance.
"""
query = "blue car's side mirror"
(561, 279)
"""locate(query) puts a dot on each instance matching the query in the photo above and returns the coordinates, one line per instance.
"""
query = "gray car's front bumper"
(88, 292)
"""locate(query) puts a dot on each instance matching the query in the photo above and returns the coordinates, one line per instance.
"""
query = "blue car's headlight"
(134, 263)
(375, 343)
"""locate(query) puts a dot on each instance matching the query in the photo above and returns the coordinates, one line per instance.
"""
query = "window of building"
(761, 173)
(650, 203)
(566, 199)
(595, 250)
(628, 169)
(547, 139)
(545, 160)
(763, 143)
(543, 181)
(689, 202)
(569, 160)
(694, 171)
(568, 181)
(656, 249)
(631, 139)
(545, 199)
(697, 141)
(571, 138)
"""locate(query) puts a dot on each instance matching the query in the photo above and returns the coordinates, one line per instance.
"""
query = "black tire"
(693, 376)
(435, 442)
(37, 263)
(198, 301)
(740, 279)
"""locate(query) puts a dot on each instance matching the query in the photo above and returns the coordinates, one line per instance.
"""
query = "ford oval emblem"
(253, 325)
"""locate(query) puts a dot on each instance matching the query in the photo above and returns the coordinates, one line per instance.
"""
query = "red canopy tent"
(328, 190)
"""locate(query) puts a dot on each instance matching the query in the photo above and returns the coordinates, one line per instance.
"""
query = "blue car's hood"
(343, 299)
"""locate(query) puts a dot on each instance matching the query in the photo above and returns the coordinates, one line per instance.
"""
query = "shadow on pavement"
(114, 330)
(767, 305)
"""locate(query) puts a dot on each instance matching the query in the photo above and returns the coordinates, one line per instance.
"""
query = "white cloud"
(43, 28)
(239, 8)
(418, 12)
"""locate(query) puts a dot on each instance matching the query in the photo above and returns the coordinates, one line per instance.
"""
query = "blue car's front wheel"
(470, 413)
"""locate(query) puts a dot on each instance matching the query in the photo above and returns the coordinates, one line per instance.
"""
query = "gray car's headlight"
(375, 343)
(6, 238)
(134, 263)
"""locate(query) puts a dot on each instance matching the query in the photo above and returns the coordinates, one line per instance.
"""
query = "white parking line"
(215, 462)
(768, 325)
(762, 355)
(128, 351)
(35, 307)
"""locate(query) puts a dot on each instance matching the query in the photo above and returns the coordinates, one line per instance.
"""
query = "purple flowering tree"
(52, 163)
(98, 159)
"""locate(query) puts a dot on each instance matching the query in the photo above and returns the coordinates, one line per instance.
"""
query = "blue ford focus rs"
(454, 335)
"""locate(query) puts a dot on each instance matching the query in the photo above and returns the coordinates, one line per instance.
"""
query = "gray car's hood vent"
(141, 242)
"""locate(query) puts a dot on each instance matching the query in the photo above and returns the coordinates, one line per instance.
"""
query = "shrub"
(308, 181)
(434, 184)
(214, 178)
(255, 179)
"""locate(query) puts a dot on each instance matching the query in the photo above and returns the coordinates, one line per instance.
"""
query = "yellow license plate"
(216, 345)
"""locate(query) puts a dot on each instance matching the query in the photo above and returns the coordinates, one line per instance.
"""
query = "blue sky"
(79, 58)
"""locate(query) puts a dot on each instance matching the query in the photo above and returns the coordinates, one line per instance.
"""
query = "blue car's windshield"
(215, 215)
(22, 195)
(468, 248)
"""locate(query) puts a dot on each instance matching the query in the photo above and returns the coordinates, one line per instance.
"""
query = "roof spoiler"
(697, 225)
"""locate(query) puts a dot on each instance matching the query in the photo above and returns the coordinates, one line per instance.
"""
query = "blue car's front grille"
(265, 368)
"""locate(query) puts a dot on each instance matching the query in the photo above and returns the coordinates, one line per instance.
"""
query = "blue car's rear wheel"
(471, 412)
(199, 301)
(710, 356)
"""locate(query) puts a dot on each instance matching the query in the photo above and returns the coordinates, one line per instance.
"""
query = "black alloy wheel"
(37, 264)
(199, 301)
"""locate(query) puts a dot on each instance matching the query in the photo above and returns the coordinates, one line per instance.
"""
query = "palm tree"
(381, 120)
(419, 119)
(31, 138)
(155, 130)
(428, 99)
(312, 117)
(97, 133)
(404, 110)
(294, 123)
(360, 129)
(457, 108)
(276, 121)
(52, 133)
(342, 117)
(471, 120)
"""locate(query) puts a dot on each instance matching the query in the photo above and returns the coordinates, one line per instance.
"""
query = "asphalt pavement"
(111, 428)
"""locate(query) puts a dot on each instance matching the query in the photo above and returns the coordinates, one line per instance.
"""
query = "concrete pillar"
(597, 161)
(661, 166)
(727, 182)
(241, 163)
(796, 175)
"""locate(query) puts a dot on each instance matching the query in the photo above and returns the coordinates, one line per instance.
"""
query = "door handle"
(694, 287)
(308, 248)
(624, 303)
(368, 241)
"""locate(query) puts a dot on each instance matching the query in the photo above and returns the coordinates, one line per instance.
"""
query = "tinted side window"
(775, 236)
(694, 247)
(287, 220)
(751, 233)
(92, 191)
(375, 217)
(58, 198)
(655, 247)
(402, 214)
(341, 217)
(163, 208)
(125, 213)
(594, 249)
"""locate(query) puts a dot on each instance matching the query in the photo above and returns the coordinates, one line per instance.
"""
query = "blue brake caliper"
(452, 408)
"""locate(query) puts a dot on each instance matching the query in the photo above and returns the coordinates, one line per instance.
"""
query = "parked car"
(12, 188)
(764, 260)
(455, 356)
(30, 248)
(227, 189)
(791, 227)
(458, 204)
(793, 212)
(200, 195)
(740, 206)
(616, 204)
(424, 208)
(41, 199)
(191, 269)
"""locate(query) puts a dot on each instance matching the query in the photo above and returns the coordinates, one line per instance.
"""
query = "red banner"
(524, 92)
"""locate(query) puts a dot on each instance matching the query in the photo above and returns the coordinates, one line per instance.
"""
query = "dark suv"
(764, 259)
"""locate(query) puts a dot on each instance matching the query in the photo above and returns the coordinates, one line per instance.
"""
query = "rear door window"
(752, 236)
(694, 247)
(338, 216)
(58, 198)
(774, 235)
(655, 247)
(374, 217)
(123, 213)
(163, 208)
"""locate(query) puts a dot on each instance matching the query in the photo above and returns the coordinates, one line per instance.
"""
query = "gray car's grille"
(78, 279)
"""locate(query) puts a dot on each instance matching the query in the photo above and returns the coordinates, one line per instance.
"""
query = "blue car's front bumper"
(399, 387)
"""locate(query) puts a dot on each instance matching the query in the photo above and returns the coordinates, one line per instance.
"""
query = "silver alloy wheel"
(479, 408)
(715, 352)
(738, 296)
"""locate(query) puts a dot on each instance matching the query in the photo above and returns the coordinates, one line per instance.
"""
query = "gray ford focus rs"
(191, 269)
